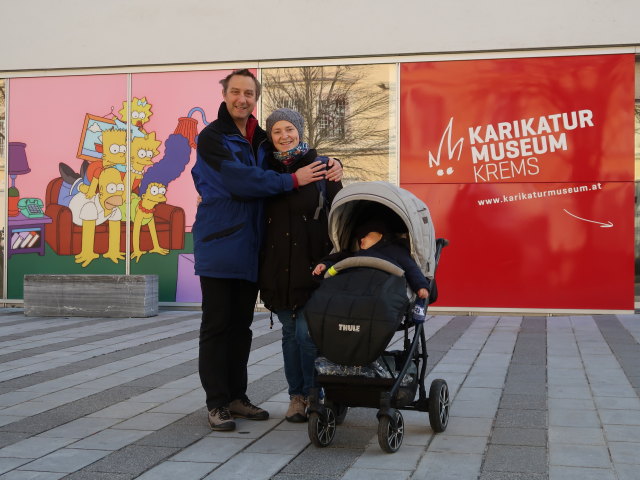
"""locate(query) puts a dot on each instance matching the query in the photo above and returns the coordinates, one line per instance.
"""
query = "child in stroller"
(376, 240)
(356, 312)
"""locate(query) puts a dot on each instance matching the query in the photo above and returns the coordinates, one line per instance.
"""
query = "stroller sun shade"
(403, 211)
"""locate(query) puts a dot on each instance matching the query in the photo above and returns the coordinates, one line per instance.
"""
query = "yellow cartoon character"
(114, 154)
(154, 195)
(140, 112)
(143, 150)
(103, 207)
(153, 189)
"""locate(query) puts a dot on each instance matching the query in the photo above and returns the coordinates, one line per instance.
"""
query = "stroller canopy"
(354, 200)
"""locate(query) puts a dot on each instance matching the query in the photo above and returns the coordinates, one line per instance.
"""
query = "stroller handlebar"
(364, 261)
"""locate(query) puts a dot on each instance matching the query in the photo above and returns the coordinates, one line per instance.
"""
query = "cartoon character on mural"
(114, 154)
(153, 188)
(102, 207)
(140, 112)
(143, 151)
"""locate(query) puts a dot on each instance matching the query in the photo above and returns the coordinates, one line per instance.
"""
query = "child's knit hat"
(370, 225)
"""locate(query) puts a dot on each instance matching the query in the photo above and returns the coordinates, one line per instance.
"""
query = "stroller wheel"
(439, 404)
(390, 436)
(322, 430)
(339, 410)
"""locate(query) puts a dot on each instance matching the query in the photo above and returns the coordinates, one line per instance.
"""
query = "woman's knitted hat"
(288, 115)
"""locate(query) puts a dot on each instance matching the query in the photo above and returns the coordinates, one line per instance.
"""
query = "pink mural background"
(48, 114)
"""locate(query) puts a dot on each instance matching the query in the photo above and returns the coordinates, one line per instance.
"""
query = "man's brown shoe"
(245, 409)
(220, 420)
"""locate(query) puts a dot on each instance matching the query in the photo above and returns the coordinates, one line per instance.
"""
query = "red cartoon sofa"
(65, 238)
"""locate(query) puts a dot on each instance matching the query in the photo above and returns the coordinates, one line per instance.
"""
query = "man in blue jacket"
(231, 178)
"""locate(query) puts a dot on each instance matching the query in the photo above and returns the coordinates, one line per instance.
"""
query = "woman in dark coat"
(296, 239)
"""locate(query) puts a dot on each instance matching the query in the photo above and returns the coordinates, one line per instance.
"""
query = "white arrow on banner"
(609, 224)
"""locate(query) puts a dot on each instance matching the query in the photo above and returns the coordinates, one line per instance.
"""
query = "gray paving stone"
(178, 470)
(133, 459)
(536, 437)
(82, 475)
(109, 439)
(25, 475)
(254, 466)
(625, 452)
(507, 417)
(576, 435)
(281, 442)
(626, 471)
(448, 466)
(212, 450)
(176, 435)
(573, 418)
(7, 464)
(148, 421)
(524, 402)
(509, 458)
(581, 473)
(65, 460)
(80, 428)
(513, 476)
(34, 447)
(370, 474)
(315, 461)
(594, 456)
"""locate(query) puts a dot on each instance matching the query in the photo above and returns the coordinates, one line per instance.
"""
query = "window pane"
(348, 112)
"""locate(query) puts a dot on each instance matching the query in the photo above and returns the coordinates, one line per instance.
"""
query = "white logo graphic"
(451, 150)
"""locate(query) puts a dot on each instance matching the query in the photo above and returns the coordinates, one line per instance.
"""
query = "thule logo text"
(348, 328)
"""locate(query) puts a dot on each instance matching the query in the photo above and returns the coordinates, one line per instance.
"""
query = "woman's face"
(284, 136)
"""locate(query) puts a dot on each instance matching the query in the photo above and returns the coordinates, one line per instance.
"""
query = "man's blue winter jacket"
(230, 176)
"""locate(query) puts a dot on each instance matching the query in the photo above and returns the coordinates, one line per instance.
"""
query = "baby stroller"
(354, 315)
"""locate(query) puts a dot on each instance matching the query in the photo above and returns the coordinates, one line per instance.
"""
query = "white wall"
(51, 34)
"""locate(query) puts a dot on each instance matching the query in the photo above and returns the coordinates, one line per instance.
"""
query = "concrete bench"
(90, 295)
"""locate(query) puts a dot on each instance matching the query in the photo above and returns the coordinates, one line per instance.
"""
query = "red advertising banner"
(527, 166)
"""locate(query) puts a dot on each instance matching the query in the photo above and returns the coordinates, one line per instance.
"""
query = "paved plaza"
(533, 398)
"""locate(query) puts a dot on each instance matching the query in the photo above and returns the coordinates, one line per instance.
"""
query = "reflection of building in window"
(332, 116)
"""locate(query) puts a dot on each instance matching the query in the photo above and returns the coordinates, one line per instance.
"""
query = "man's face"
(240, 97)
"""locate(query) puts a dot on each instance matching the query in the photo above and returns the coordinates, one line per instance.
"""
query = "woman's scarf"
(290, 156)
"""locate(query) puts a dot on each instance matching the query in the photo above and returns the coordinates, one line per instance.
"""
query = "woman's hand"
(423, 293)
(334, 173)
(311, 173)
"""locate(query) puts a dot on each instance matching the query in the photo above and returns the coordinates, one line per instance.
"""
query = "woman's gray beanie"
(285, 114)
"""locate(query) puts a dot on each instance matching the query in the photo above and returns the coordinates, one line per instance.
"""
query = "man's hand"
(311, 173)
(334, 173)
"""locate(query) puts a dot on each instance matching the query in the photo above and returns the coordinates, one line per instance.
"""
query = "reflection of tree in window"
(346, 112)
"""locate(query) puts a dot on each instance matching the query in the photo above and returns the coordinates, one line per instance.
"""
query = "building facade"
(516, 124)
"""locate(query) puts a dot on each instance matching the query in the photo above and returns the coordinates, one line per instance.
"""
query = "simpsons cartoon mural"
(97, 194)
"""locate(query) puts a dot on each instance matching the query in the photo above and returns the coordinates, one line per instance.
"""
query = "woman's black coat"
(294, 241)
